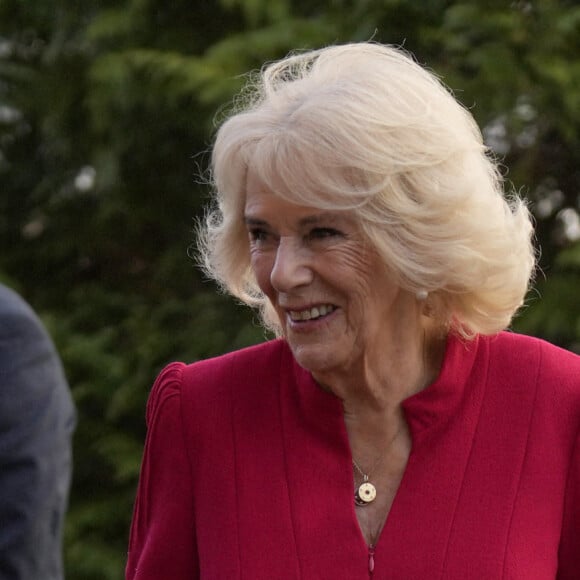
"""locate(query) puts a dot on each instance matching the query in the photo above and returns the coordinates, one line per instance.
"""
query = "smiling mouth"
(311, 313)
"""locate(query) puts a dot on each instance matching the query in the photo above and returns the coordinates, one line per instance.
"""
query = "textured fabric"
(247, 472)
(36, 422)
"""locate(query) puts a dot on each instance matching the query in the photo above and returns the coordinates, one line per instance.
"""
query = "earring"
(422, 295)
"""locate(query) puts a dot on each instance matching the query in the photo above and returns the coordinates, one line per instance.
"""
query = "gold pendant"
(365, 494)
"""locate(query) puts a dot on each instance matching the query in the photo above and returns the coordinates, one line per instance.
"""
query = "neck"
(372, 393)
(382, 380)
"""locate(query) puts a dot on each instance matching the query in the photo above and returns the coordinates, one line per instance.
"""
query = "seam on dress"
(236, 462)
(467, 463)
(523, 461)
(286, 469)
(189, 460)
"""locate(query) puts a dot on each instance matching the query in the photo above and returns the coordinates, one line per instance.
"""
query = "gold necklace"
(366, 492)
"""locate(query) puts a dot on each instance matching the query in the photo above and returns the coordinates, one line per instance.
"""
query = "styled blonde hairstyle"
(362, 127)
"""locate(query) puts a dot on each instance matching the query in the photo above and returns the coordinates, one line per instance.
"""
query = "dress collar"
(423, 409)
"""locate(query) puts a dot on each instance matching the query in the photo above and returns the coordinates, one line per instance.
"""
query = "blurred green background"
(107, 110)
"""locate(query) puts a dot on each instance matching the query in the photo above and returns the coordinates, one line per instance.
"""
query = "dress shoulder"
(520, 363)
(562, 364)
(258, 361)
(166, 386)
(204, 384)
(554, 364)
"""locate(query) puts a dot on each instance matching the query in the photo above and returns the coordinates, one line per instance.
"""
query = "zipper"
(371, 560)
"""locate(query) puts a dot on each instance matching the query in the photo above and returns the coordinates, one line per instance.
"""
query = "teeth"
(312, 313)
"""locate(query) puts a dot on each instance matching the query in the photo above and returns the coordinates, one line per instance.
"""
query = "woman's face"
(336, 301)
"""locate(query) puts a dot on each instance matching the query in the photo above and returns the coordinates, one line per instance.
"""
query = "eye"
(257, 234)
(323, 233)
(261, 237)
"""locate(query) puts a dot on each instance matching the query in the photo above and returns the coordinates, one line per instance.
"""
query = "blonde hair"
(362, 127)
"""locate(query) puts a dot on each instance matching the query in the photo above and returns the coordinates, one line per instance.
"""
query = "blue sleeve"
(37, 419)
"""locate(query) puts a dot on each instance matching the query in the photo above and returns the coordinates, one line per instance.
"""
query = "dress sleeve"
(162, 542)
(569, 553)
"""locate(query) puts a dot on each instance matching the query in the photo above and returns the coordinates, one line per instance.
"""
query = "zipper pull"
(371, 559)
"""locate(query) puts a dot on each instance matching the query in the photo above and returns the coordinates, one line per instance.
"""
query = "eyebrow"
(325, 217)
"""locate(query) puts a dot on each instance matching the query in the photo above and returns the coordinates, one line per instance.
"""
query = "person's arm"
(569, 553)
(36, 422)
(162, 542)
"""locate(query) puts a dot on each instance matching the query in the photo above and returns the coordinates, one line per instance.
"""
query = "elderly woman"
(393, 430)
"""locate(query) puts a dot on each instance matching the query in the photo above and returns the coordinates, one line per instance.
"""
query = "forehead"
(262, 205)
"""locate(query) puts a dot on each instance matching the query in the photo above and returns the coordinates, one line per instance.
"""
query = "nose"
(292, 266)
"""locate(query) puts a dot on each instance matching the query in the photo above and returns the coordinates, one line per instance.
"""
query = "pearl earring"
(422, 295)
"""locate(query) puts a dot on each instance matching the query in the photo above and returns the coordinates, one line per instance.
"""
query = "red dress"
(247, 472)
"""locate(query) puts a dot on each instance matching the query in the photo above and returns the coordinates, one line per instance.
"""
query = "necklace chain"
(378, 460)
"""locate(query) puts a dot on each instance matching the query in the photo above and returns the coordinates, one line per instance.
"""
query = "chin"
(313, 358)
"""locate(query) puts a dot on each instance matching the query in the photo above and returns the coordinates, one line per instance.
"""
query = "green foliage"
(560, 323)
(106, 110)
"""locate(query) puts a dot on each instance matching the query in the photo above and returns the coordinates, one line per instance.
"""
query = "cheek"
(355, 265)
(362, 276)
